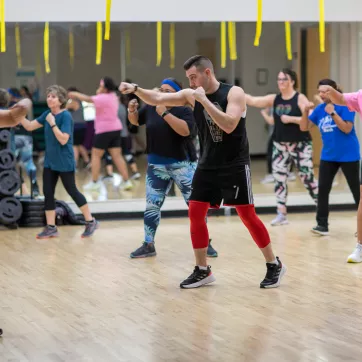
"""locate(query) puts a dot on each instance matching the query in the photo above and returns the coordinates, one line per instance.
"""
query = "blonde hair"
(59, 92)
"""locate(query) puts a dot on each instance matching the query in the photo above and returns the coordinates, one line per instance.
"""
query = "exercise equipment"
(9, 182)
(10, 210)
(7, 160)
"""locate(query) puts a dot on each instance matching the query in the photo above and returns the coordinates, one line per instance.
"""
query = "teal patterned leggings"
(159, 180)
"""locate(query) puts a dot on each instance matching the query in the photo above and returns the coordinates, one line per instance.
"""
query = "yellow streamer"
(223, 44)
(322, 27)
(18, 45)
(46, 48)
(288, 40)
(172, 45)
(159, 43)
(258, 23)
(71, 47)
(107, 33)
(99, 42)
(128, 48)
(2, 27)
(232, 40)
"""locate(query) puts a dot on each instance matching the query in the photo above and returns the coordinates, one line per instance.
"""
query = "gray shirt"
(122, 115)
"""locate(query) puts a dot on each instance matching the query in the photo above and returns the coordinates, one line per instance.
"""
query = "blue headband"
(171, 84)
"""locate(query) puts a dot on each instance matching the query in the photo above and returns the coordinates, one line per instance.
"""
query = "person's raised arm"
(155, 98)
(13, 116)
(31, 125)
(235, 109)
(260, 102)
(80, 96)
(305, 123)
(335, 96)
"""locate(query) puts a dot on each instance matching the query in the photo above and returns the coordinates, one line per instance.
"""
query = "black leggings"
(327, 172)
(50, 179)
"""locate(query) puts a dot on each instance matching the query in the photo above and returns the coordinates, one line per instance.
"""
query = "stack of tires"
(33, 213)
(10, 207)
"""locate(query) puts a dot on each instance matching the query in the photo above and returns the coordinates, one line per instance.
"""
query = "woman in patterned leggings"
(290, 143)
(171, 159)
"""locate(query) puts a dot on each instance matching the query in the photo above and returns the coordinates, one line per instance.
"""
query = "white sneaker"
(281, 219)
(92, 186)
(126, 185)
(136, 176)
(268, 179)
(356, 256)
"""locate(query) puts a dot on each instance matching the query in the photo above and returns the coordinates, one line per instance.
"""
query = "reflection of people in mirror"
(290, 143)
(340, 149)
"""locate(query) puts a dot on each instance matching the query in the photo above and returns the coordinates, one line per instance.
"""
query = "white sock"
(202, 267)
(274, 262)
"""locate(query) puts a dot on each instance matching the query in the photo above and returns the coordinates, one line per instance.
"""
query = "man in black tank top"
(291, 145)
(223, 172)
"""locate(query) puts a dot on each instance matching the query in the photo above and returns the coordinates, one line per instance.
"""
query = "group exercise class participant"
(171, 159)
(59, 160)
(354, 103)
(223, 171)
(340, 150)
(107, 132)
(290, 143)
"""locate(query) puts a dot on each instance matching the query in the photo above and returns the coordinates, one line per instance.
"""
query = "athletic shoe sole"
(207, 280)
(323, 233)
(276, 285)
(143, 256)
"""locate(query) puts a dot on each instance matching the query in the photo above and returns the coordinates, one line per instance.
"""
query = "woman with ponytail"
(340, 149)
(107, 132)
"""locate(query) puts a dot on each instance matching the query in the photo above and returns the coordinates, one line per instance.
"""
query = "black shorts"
(232, 185)
(126, 144)
(78, 136)
(104, 141)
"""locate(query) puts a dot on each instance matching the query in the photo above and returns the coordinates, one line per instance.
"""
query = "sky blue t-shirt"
(337, 145)
(58, 157)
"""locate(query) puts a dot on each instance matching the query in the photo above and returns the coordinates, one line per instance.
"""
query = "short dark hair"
(109, 84)
(4, 98)
(292, 74)
(331, 83)
(200, 62)
(72, 89)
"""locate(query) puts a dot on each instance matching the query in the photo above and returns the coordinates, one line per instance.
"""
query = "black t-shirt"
(289, 132)
(162, 140)
(218, 148)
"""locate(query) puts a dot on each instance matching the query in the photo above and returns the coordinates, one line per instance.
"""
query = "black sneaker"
(198, 278)
(321, 230)
(273, 275)
(144, 251)
(211, 252)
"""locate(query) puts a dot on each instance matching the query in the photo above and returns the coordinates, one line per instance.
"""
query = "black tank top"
(219, 149)
(288, 132)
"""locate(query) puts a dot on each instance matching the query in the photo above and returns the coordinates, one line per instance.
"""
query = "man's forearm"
(223, 120)
(150, 97)
(133, 117)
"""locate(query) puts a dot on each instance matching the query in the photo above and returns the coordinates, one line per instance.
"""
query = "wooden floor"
(110, 191)
(78, 300)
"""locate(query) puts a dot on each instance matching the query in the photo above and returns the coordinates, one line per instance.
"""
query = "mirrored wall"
(131, 53)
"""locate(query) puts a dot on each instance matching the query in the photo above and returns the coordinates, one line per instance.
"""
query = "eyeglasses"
(283, 79)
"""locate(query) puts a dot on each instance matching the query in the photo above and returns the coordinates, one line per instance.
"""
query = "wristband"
(165, 113)
(54, 125)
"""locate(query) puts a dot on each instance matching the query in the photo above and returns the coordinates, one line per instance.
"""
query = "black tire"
(32, 205)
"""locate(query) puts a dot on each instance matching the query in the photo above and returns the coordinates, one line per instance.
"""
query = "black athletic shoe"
(211, 252)
(321, 230)
(198, 278)
(273, 275)
(144, 251)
